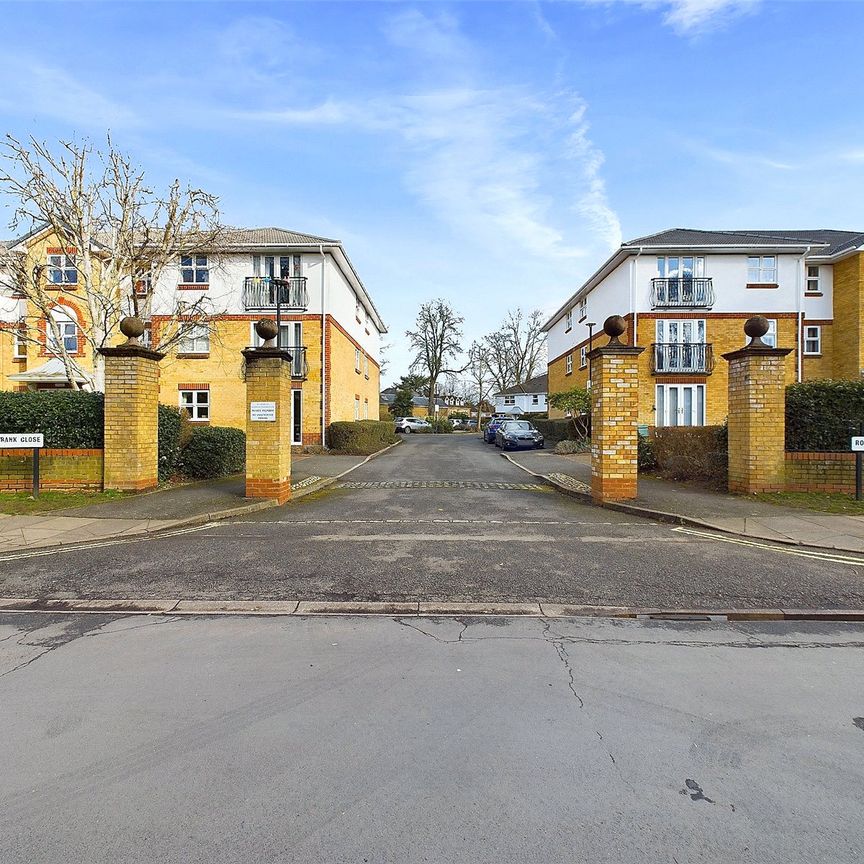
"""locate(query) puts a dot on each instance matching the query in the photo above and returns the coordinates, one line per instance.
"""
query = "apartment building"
(686, 293)
(327, 319)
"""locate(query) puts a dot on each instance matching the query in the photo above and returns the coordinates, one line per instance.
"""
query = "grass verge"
(824, 502)
(24, 504)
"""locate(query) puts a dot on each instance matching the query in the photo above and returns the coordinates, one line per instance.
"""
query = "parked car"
(412, 424)
(513, 434)
(492, 428)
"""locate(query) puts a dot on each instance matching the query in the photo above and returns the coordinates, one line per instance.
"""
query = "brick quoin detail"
(615, 405)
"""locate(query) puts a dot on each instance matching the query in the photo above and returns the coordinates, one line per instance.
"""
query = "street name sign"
(32, 440)
(263, 411)
(858, 443)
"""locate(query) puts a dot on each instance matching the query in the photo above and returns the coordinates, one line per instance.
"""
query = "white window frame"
(583, 308)
(663, 399)
(770, 338)
(19, 343)
(568, 364)
(760, 273)
(583, 357)
(813, 281)
(193, 341)
(535, 398)
(812, 340)
(62, 269)
(366, 365)
(356, 408)
(365, 409)
(568, 320)
(509, 400)
(67, 322)
(196, 403)
(357, 361)
(192, 266)
(357, 307)
(666, 271)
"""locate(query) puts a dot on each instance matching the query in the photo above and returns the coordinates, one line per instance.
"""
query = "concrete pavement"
(443, 519)
(162, 740)
(696, 505)
(163, 510)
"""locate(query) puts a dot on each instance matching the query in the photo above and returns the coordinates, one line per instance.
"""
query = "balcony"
(299, 367)
(681, 292)
(688, 358)
(262, 292)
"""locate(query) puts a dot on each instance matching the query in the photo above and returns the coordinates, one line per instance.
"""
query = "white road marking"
(783, 550)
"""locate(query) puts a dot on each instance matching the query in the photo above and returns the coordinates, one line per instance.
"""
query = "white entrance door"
(680, 404)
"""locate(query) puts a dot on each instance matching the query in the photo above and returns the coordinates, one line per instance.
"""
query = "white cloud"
(690, 17)
(30, 87)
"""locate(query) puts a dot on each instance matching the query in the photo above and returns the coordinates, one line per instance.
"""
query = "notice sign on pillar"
(262, 411)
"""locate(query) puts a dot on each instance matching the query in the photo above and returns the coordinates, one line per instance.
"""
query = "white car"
(412, 424)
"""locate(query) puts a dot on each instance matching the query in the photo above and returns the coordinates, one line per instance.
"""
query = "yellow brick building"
(327, 319)
(685, 295)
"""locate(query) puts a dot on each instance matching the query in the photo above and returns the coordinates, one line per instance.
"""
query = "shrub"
(645, 457)
(569, 446)
(562, 430)
(361, 437)
(173, 433)
(440, 425)
(823, 415)
(213, 451)
(690, 452)
(67, 418)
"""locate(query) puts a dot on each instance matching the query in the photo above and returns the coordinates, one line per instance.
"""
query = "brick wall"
(820, 472)
(61, 470)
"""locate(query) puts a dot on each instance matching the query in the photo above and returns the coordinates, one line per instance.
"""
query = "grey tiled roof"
(273, 237)
(831, 240)
(540, 384)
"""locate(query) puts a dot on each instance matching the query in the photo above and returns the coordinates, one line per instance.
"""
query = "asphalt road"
(445, 518)
(136, 739)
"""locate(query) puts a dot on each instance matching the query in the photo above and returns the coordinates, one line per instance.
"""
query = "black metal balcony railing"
(683, 358)
(261, 292)
(299, 367)
(679, 291)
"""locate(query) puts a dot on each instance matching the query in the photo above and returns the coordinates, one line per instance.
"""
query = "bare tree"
(478, 377)
(436, 341)
(516, 351)
(117, 236)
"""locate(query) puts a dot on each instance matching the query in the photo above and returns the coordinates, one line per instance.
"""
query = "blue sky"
(488, 153)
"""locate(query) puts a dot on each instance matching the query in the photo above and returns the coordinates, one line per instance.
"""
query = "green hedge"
(823, 415)
(213, 451)
(69, 419)
(360, 438)
(559, 430)
(173, 433)
(686, 452)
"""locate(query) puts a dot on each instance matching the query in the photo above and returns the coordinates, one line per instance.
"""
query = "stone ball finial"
(756, 327)
(133, 329)
(613, 327)
(267, 331)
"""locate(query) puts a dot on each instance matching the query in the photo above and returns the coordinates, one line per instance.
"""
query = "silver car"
(412, 424)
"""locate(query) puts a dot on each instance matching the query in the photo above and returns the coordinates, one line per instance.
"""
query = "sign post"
(34, 441)
(857, 445)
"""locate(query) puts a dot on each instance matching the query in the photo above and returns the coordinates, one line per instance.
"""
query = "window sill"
(568, 329)
(762, 285)
(813, 294)
(193, 286)
(568, 373)
(812, 356)
(582, 318)
(19, 359)
(69, 287)
(183, 355)
(199, 422)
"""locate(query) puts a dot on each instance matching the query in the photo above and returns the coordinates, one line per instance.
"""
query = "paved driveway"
(445, 518)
